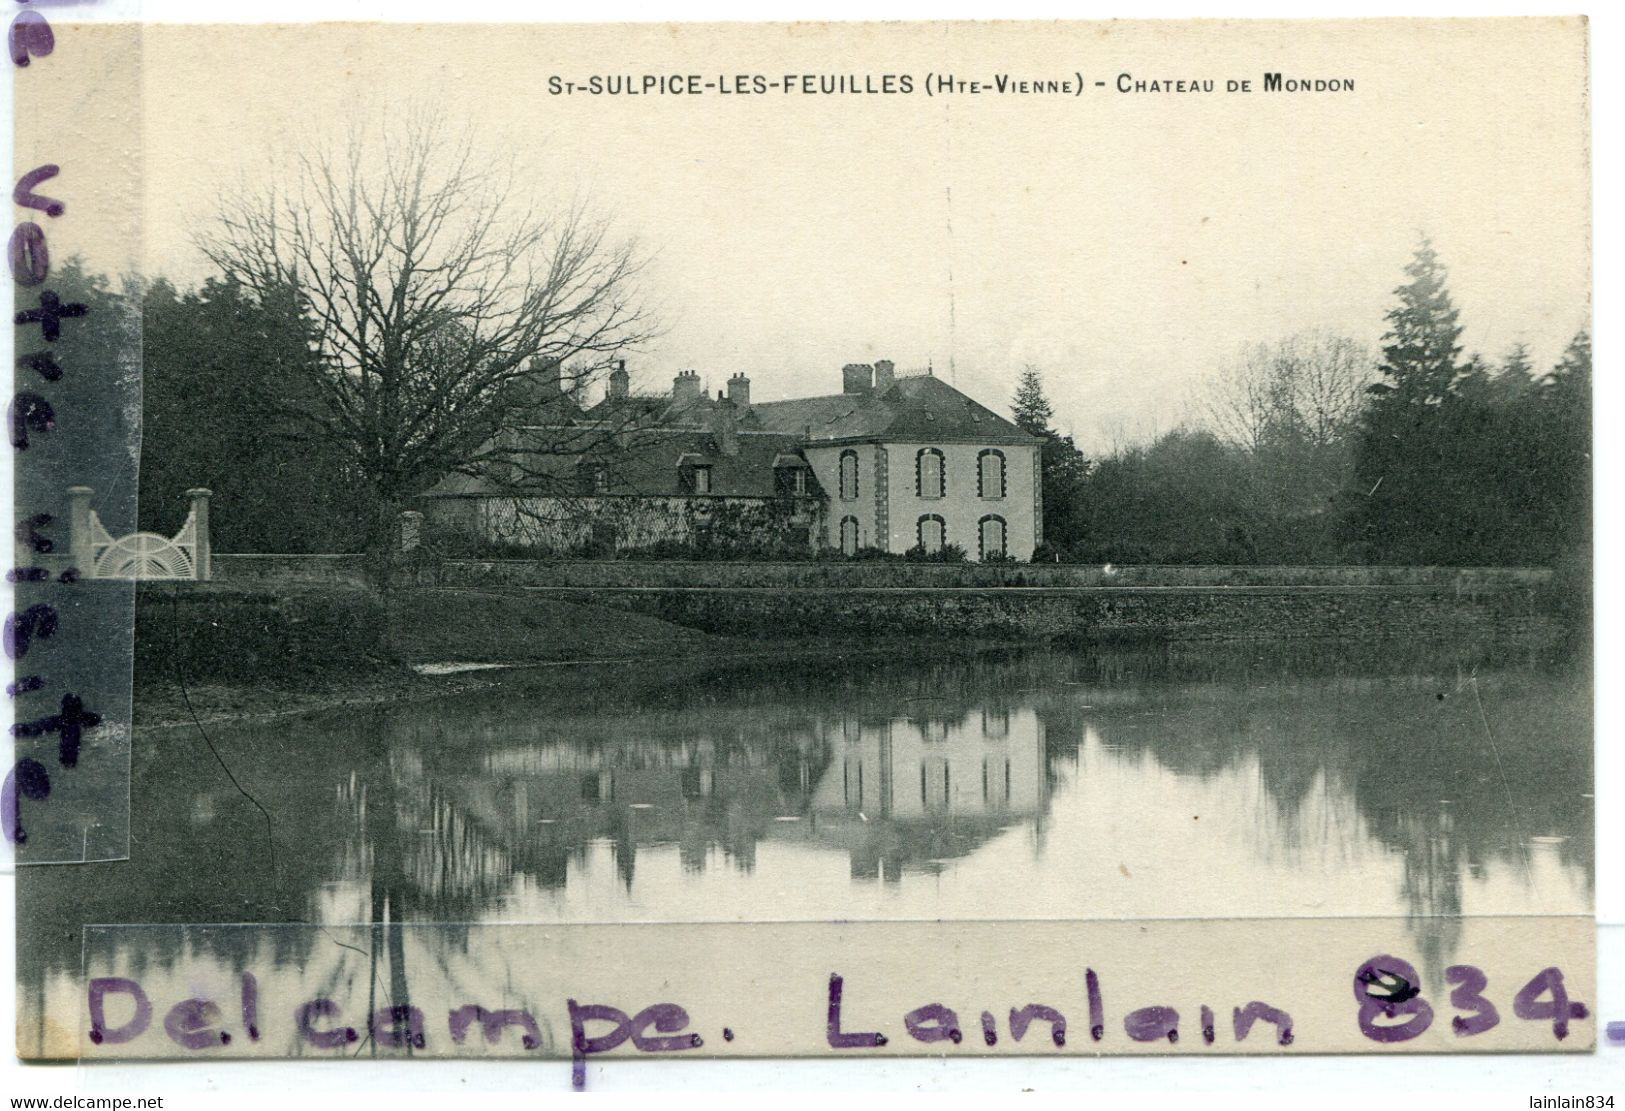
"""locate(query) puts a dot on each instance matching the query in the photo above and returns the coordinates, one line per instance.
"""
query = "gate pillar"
(200, 537)
(81, 552)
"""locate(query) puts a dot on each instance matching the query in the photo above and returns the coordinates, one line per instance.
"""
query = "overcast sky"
(1125, 243)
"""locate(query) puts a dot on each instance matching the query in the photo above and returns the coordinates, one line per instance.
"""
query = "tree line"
(1309, 451)
(390, 311)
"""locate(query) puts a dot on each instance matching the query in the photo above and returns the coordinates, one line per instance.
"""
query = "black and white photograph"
(921, 530)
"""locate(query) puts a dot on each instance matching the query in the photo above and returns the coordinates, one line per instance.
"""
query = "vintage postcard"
(801, 540)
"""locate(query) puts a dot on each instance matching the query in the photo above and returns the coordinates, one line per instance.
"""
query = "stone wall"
(1502, 611)
(269, 569)
(892, 599)
(798, 575)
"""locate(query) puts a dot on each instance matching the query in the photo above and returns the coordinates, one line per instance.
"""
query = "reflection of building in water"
(912, 793)
(895, 794)
(549, 801)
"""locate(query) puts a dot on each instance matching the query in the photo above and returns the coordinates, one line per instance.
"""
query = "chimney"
(885, 375)
(724, 422)
(547, 375)
(686, 387)
(619, 381)
(739, 391)
(857, 378)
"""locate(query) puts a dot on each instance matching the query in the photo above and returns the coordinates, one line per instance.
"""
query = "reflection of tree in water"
(1452, 769)
(440, 811)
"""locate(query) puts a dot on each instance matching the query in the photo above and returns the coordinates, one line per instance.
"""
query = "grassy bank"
(222, 651)
(225, 649)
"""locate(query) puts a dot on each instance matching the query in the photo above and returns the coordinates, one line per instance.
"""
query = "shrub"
(948, 553)
(221, 634)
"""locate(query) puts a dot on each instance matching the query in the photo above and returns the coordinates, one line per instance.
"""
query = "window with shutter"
(849, 475)
(928, 473)
(990, 474)
(933, 533)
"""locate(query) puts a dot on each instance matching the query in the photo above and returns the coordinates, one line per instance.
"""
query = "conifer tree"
(1031, 409)
(1421, 348)
(1404, 506)
(1064, 468)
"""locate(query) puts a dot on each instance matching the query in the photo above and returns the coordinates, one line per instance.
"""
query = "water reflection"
(1181, 782)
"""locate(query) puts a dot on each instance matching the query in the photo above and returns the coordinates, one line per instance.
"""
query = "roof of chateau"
(643, 442)
(920, 409)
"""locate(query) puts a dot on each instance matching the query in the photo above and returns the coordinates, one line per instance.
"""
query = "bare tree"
(445, 308)
(1305, 389)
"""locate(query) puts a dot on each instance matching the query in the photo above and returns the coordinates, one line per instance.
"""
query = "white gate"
(140, 555)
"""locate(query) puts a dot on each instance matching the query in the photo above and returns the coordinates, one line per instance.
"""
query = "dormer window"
(791, 476)
(693, 474)
(591, 477)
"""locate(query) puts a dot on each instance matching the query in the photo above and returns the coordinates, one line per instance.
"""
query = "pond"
(1230, 780)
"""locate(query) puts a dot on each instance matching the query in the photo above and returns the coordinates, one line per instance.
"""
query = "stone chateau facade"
(892, 462)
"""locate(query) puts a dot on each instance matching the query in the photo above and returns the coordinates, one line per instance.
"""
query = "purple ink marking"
(27, 532)
(1209, 1031)
(492, 1023)
(397, 1026)
(69, 725)
(1150, 1024)
(582, 1046)
(27, 254)
(305, 1017)
(38, 622)
(191, 1023)
(251, 1006)
(1616, 1032)
(1097, 1011)
(1402, 996)
(27, 779)
(668, 1019)
(1021, 1019)
(50, 315)
(44, 364)
(1527, 1003)
(834, 1035)
(24, 685)
(1467, 996)
(990, 1032)
(29, 411)
(27, 575)
(99, 989)
(1242, 1019)
(727, 1034)
(30, 36)
(25, 197)
(933, 1023)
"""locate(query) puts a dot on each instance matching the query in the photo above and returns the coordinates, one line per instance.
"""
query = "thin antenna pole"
(948, 191)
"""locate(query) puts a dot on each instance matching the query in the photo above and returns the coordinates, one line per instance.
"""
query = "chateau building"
(892, 462)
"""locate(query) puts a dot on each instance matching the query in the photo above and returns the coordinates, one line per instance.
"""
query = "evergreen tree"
(1565, 406)
(1477, 379)
(1569, 383)
(223, 372)
(1421, 348)
(1064, 468)
(1517, 369)
(1031, 409)
(1406, 498)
